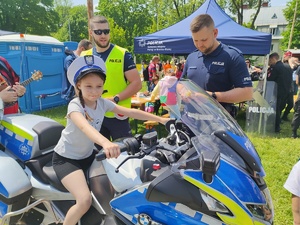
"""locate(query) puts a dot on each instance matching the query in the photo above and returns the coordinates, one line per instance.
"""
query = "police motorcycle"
(205, 171)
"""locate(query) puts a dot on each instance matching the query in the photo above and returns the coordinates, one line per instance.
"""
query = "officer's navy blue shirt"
(221, 70)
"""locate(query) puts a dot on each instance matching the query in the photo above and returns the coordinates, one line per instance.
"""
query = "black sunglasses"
(99, 32)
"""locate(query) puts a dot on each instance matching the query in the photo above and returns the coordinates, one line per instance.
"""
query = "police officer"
(217, 68)
(122, 77)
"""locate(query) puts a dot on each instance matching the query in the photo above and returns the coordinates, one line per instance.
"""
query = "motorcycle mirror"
(210, 164)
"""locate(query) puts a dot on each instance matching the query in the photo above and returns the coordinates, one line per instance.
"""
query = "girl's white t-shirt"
(73, 143)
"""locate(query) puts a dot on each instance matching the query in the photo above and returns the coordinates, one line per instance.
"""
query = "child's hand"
(164, 120)
(111, 150)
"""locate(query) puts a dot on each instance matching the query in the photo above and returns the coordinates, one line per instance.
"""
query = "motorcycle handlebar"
(129, 145)
(101, 155)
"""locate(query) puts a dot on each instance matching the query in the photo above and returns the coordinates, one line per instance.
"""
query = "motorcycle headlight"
(263, 212)
(213, 204)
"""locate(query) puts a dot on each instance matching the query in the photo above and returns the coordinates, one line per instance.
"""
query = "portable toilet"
(30, 53)
(71, 45)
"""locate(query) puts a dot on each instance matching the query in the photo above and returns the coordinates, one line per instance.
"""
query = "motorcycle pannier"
(28, 136)
(15, 187)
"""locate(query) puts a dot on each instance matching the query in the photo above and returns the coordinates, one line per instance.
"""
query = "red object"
(11, 109)
(156, 166)
(288, 54)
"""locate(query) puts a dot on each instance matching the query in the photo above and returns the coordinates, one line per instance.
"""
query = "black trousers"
(296, 118)
(281, 101)
(289, 105)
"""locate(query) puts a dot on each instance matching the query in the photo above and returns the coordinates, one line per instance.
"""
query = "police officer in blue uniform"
(217, 68)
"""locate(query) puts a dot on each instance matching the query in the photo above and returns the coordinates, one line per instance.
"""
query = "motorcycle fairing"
(170, 187)
(230, 192)
(159, 212)
(248, 146)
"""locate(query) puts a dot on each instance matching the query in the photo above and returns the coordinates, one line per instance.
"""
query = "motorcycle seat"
(52, 178)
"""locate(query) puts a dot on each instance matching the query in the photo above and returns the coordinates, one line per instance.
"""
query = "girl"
(74, 152)
(167, 97)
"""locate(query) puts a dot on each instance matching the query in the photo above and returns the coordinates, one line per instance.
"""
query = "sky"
(273, 2)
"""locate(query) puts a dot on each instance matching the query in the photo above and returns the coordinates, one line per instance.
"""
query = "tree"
(140, 17)
(73, 23)
(133, 17)
(236, 7)
(28, 16)
(289, 15)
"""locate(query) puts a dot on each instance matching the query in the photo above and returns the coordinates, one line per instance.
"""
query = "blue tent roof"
(177, 38)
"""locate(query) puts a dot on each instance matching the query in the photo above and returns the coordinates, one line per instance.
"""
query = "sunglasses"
(99, 32)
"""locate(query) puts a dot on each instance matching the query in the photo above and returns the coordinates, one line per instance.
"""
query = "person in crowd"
(153, 72)
(74, 152)
(295, 75)
(292, 184)
(178, 71)
(182, 61)
(296, 117)
(122, 81)
(83, 45)
(253, 70)
(153, 84)
(162, 90)
(217, 68)
(68, 92)
(159, 69)
(282, 75)
(290, 62)
(167, 66)
(10, 88)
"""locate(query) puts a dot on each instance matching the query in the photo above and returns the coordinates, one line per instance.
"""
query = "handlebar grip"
(101, 155)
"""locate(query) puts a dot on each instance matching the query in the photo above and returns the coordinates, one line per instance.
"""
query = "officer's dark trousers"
(296, 118)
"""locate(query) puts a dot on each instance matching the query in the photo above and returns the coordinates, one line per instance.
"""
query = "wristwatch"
(213, 94)
(116, 99)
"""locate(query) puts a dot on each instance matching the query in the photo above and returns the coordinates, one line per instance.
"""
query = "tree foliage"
(28, 16)
(73, 25)
(141, 17)
(236, 7)
(289, 15)
(128, 18)
(132, 17)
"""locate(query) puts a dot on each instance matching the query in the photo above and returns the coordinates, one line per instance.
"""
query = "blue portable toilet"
(71, 45)
(29, 53)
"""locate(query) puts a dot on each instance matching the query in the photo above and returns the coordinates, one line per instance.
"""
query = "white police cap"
(84, 65)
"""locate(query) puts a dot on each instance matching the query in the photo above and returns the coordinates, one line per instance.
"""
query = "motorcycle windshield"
(205, 117)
